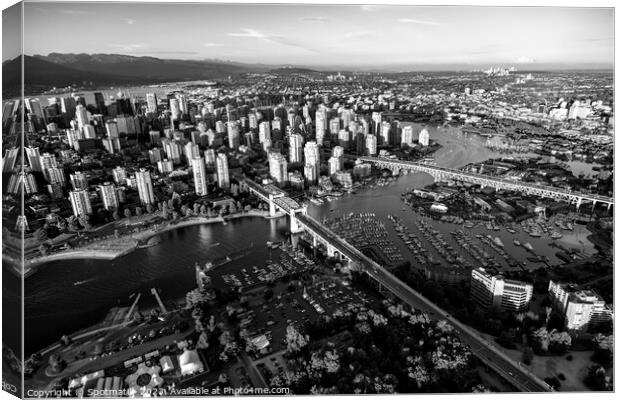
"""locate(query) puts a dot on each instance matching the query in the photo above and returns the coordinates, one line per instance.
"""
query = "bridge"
(521, 378)
(441, 173)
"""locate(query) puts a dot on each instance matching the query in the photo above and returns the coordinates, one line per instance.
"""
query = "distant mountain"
(40, 75)
(152, 68)
(292, 70)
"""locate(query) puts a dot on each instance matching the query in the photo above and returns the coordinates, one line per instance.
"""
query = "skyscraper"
(108, 196)
(233, 135)
(296, 143)
(264, 131)
(145, 186)
(79, 180)
(151, 102)
(34, 158)
(200, 176)
(80, 203)
(223, 180)
(9, 160)
(100, 102)
(312, 154)
(424, 137)
(371, 145)
(82, 116)
(406, 138)
(56, 175)
(278, 168)
(175, 109)
(111, 129)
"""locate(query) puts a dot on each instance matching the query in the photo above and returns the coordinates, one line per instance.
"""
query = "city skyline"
(324, 35)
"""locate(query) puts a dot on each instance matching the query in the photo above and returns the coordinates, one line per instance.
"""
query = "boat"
(78, 283)
(498, 242)
(511, 230)
(535, 233)
(516, 242)
(528, 246)
(556, 235)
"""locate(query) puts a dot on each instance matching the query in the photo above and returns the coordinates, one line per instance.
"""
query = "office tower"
(145, 186)
(277, 124)
(200, 176)
(296, 143)
(100, 102)
(9, 160)
(312, 155)
(111, 145)
(210, 158)
(80, 202)
(151, 103)
(191, 150)
(406, 139)
(165, 166)
(34, 158)
(182, 103)
(386, 128)
(23, 180)
(252, 121)
(290, 117)
(334, 126)
(310, 172)
(56, 175)
(424, 137)
(173, 150)
(334, 164)
(371, 145)
(82, 116)
(220, 127)
(278, 168)
(195, 137)
(126, 124)
(347, 116)
(89, 132)
(34, 107)
(68, 106)
(79, 180)
(264, 131)
(581, 308)
(344, 138)
(489, 290)
(223, 180)
(376, 119)
(155, 155)
(175, 109)
(233, 135)
(338, 152)
(111, 128)
(154, 137)
(108, 196)
(120, 175)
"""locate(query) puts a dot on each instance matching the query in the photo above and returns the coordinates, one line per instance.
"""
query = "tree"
(115, 215)
(603, 350)
(127, 213)
(295, 341)
(596, 379)
(196, 208)
(149, 209)
(138, 211)
(527, 356)
(56, 363)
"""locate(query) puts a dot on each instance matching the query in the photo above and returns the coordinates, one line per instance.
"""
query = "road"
(521, 378)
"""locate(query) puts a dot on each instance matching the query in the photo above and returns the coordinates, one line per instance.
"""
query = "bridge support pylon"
(272, 206)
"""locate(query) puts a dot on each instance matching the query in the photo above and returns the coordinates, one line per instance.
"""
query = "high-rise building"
(210, 158)
(489, 290)
(580, 308)
(56, 175)
(89, 132)
(371, 145)
(278, 168)
(126, 124)
(111, 128)
(424, 137)
(175, 109)
(344, 138)
(68, 107)
(334, 126)
(233, 135)
(172, 149)
(191, 150)
(9, 160)
(154, 137)
(108, 196)
(145, 186)
(82, 116)
(264, 131)
(312, 155)
(151, 103)
(34, 158)
(165, 166)
(296, 143)
(376, 120)
(338, 151)
(155, 155)
(406, 138)
(23, 180)
(310, 172)
(386, 128)
(100, 102)
(200, 176)
(334, 164)
(79, 180)
(120, 175)
(80, 202)
(223, 180)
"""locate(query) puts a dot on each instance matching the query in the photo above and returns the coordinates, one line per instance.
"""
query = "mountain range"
(60, 70)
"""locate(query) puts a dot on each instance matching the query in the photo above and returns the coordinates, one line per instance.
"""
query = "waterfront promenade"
(113, 248)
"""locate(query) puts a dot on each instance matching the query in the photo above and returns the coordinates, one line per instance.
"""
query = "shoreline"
(137, 240)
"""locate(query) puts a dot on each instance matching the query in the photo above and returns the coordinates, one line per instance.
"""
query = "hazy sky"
(323, 35)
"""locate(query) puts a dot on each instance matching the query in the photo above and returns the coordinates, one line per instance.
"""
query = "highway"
(521, 378)
(463, 175)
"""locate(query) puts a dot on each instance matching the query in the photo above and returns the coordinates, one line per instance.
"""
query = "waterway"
(66, 296)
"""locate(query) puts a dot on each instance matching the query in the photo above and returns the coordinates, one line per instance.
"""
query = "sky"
(301, 34)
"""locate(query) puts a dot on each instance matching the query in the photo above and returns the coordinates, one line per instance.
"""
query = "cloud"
(213, 44)
(69, 11)
(130, 21)
(418, 21)
(368, 7)
(315, 19)
(271, 38)
(356, 34)
(128, 47)
(525, 60)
